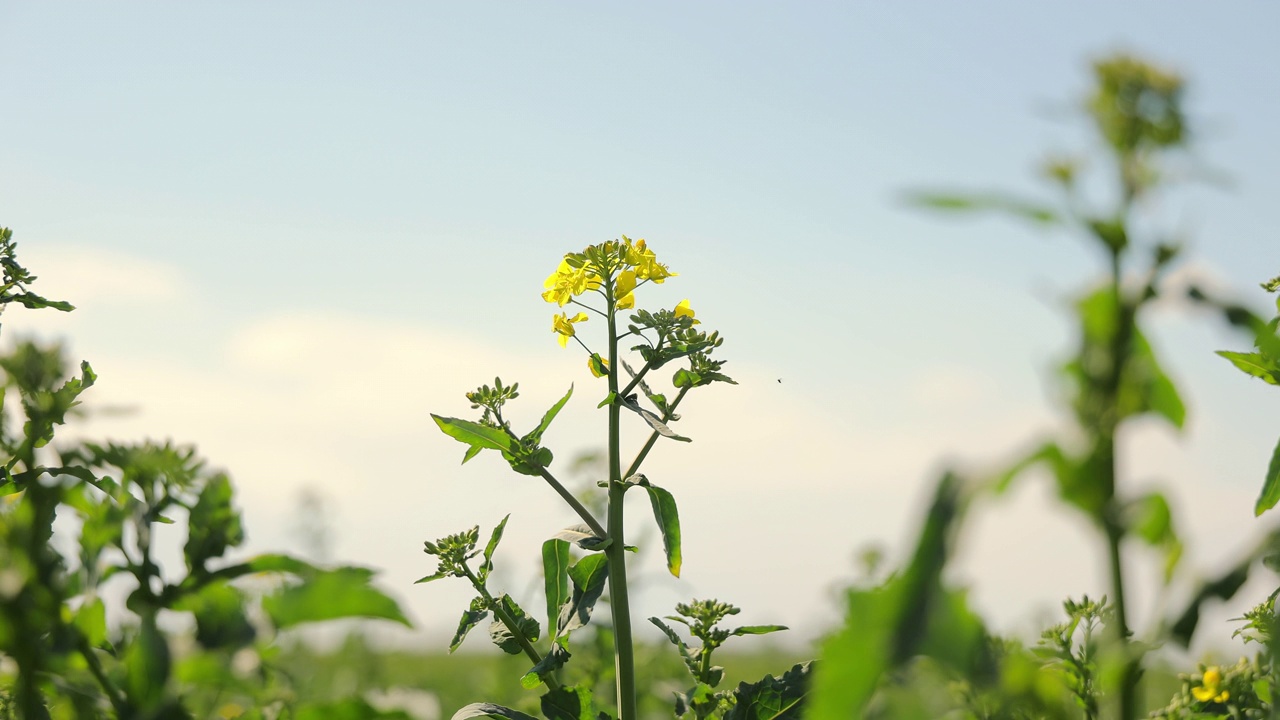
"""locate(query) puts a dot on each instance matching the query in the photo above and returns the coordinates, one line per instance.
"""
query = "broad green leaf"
(772, 698)
(494, 538)
(757, 629)
(503, 636)
(568, 703)
(489, 710)
(348, 709)
(1152, 520)
(588, 576)
(475, 434)
(668, 519)
(147, 664)
(470, 618)
(220, 618)
(550, 415)
(1254, 364)
(91, 620)
(1270, 485)
(214, 525)
(555, 658)
(331, 594)
(555, 577)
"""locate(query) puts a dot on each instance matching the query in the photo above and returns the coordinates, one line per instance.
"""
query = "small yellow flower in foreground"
(683, 310)
(622, 290)
(1208, 690)
(562, 324)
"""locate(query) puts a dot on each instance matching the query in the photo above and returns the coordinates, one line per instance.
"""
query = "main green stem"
(620, 606)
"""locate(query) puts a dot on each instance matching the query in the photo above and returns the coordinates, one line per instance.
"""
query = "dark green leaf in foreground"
(147, 664)
(568, 703)
(489, 710)
(220, 618)
(555, 576)
(329, 595)
(555, 658)
(503, 636)
(772, 698)
(588, 577)
(470, 618)
(668, 519)
(214, 524)
(1271, 486)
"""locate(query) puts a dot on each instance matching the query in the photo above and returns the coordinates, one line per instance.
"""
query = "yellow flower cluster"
(632, 260)
(1210, 687)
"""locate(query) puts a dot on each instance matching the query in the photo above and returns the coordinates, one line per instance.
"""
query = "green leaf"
(91, 620)
(536, 435)
(147, 664)
(1270, 485)
(220, 618)
(555, 658)
(568, 703)
(772, 698)
(1152, 520)
(668, 519)
(588, 576)
(329, 595)
(430, 578)
(494, 538)
(504, 636)
(757, 629)
(986, 202)
(654, 421)
(688, 654)
(555, 577)
(1254, 364)
(584, 537)
(475, 435)
(489, 710)
(214, 525)
(348, 709)
(470, 618)
(274, 562)
(1223, 587)
(608, 400)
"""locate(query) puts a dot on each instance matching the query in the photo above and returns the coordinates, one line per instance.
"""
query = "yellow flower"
(562, 324)
(568, 281)
(622, 290)
(639, 256)
(683, 310)
(1209, 686)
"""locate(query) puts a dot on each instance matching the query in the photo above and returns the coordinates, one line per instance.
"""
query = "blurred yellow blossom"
(1209, 690)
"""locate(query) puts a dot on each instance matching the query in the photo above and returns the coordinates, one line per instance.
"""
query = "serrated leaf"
(475, 435)
(1254, 364)
(668, 519)
(470, 618)
(555, 577)
(489, 710)
(688, 654)
(555, 658)
(588, 576)
(504, 637)
(1270, 485)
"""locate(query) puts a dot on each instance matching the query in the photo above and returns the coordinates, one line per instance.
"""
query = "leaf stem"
(574, 503)
(510, 622)
(644, 451)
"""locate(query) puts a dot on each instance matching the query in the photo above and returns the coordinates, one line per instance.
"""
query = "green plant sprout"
(601, 281)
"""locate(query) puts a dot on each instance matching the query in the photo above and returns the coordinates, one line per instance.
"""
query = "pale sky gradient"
(295, 229)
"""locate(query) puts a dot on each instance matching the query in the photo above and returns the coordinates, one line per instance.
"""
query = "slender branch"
(574, 503)
(582, 304)
(95, 668)
(511, 624)
(653, 438)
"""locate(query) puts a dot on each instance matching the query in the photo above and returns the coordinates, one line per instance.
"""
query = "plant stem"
(574, 503)
(619, 604)
(653, 438)
(510, 622)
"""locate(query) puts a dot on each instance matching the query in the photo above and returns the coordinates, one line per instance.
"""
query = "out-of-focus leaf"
(489, 710)
(348, 709)
(331, 594)
(772, 698)
(220, 618)
(146, 663)
(1152, 520)
(985, 202)
(214, 525)
(757, 629)
(91, 620)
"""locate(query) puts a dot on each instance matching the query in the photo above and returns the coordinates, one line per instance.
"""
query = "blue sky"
(294, 229)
